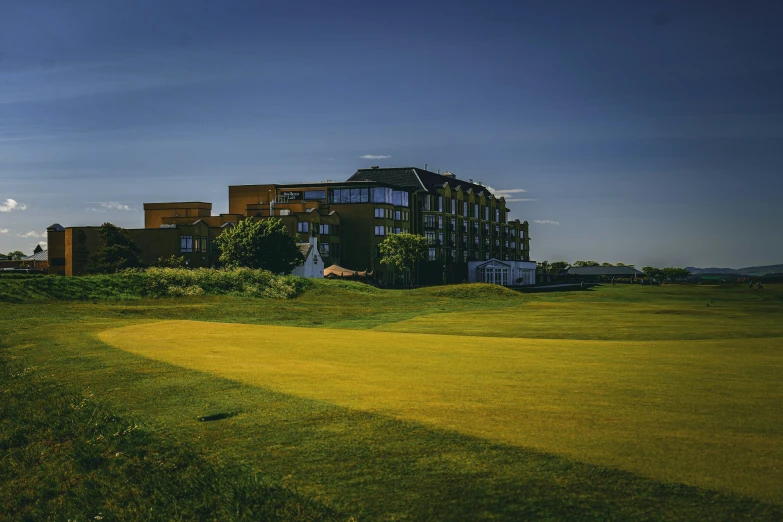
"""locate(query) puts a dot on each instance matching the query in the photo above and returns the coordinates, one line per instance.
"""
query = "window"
(432, 254)
(355, 195)
(453, 206)
(429, 221)
(453, 224)
(364, 195)
(430, 236)
(513, 232)
(513, 245)
(440, 222)
(453, 255)
(464, 256)
(303, 226)
(186, 243)
(397, 230)
(440, 203)
(381, 195)
(476, 211)
(486, 213)
(397, 215)
(465, 209)
(440, 238)
(324, 230)
(380, 230)
(315, 194)
(200, 244)
(380, 213)
(497, 230)
(323, 248)
(397, 198)
(453, 238)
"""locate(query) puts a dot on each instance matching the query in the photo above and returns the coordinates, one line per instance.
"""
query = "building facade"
(346, 221)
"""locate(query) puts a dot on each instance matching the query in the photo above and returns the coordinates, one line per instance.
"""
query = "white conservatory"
(505, 273)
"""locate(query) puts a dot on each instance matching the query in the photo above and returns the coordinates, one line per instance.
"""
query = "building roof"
(415, 179)
(43, 255)
(604, 271)
(304, 249)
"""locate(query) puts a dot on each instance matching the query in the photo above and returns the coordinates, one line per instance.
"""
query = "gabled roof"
(604, 271)
(494, 262)
(43, 255)
(304, 249)
(415, 179)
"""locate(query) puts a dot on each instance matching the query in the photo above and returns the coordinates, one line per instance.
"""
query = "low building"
(313, 265)
(595, 272)
(506, 273)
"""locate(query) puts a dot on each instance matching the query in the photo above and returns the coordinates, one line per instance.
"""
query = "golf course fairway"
(698, 412)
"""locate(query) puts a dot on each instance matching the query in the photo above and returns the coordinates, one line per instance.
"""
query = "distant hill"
(751, 270)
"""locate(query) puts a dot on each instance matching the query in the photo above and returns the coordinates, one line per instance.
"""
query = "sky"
(637, 132)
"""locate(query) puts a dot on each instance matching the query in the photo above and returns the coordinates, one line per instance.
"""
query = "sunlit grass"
(700, 412)
(696, 411)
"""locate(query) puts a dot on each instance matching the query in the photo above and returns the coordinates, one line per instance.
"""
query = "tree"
(116, 252)
(610, 264)
(259, 244)
(403, 251)
(585, 263)
(558, 266)
(16, 255)
(545, 266)
(675, 274)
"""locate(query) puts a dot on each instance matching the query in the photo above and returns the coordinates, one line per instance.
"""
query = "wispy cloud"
(32, 233)
(109, 206)
(3, 230)
(43, 244)
(508, 194)
(372, 156)
(546, 222)
(10, 205)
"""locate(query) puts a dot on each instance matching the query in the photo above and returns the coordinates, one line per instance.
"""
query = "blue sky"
(641, 132)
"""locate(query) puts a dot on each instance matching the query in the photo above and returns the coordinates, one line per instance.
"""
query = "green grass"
(647, 414)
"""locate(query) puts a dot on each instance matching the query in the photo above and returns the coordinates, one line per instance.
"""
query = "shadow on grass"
(378, 467)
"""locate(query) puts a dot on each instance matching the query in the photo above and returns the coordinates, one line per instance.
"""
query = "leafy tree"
(558, 266)
(16, 255)
(403, 251)
(610, 264)
(117, 251)
(675, 274)
(259, 244)
(621, 264)
(544, 265)
(585, 263)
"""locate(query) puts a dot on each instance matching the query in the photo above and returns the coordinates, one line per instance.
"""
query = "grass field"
(612, 403)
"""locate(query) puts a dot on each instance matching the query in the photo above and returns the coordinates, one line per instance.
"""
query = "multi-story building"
(465, 225)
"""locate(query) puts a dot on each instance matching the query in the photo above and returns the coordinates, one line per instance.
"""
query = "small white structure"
(506, 273)
(313, 266)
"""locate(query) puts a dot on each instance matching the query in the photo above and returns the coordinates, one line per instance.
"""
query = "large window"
(381, 195)
(324, 230)
(380, 230)
(315, 194)
(380, 213)
(303, 226)
(346, 195)
(186, 243)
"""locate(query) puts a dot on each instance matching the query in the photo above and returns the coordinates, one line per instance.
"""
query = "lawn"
(610, 403)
